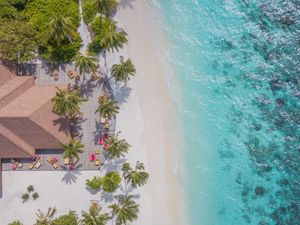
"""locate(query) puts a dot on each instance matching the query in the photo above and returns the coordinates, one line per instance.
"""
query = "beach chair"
(37, 157)
(102, 120)
(92, 157)
(97, 162)
(50, 159)
(94, 203)
(30, 166)
(55, 165)
(107, 125)
(66, 161)
(97, 151)
(38, 165)
(105, 146)
(13, 166)
(101, 141)
(20, 165)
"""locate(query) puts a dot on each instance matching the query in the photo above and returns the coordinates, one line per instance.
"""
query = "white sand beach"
(146, 120)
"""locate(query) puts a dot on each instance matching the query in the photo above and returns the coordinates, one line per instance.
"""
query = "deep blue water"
(238, 63)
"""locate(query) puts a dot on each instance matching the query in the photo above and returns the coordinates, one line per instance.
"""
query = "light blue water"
(238, 66)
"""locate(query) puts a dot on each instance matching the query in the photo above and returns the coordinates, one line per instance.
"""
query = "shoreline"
(151, 104)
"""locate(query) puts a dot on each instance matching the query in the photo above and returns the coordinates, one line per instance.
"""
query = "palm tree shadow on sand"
(121, 92)
(71, 176)
(126, 4)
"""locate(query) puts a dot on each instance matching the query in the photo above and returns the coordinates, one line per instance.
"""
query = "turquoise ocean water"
(238, 63)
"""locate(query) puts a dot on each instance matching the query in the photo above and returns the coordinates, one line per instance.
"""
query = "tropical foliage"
(85, 64)
(88, 11)
(45, 219)
(16, 222)
(123, 71)
(126, 210)
(67, 102)
(94, 217)
(68, 219)
(94, 183)
(45, 26)
(116, 148)
(72, 149)
(107, 108)
(113, 39)
(110, 182)
(135, 177)
(105, 7)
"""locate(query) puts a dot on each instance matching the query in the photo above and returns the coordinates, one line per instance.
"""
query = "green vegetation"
(16, 222)
(48, 27)
(35, 196)
(85, 64)
(30, 188)
(67, 102)
(45, 219)
(69, 219)
(116, 147)
(135, 177)
(125, 211)
(94, 217)
(107, 108)
(72, 149)
(123, 71)
(94, 183)
(25, 197)
(88, 11)
(111, 182)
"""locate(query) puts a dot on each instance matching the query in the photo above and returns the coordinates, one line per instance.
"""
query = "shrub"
(111, 181)
(25, 197)
(35, 195)
(30, 188)
(69, 219)
(16, 222)
(94, 183)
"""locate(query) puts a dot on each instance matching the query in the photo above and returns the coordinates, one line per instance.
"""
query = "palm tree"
(67, 102)
(105, 7)
(113, 39)
(125, 211)
(72, 149)
(107, 108)
(93, 217)
(61, 28)
(122, 71)
(116, 148)
(110, 182)
(85, 64)
(16, 222)
(137, 176)
(43, 219)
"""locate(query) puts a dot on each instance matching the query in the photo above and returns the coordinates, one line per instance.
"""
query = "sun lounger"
(13, 166)
(66, 161)
(97, 162)
(105, 146)
(101, 141)
(92, 157)
(97, 151)
(55, 165)
(30, 166)
(38, 164)
(37, 157)
(102, 120)
(50, 159)
(107, 125)
(20, 165)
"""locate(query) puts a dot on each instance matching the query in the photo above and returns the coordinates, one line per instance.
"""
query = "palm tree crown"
(113, 40)
(122, 71)
(105, 7)
(94, 217)
(137, 176)
(110, 182)
(45, 219)
(67, 102)
(85, 64)
(116, 148)
(61, 28)
(107, 108)
(125, 211)
(72, 149)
